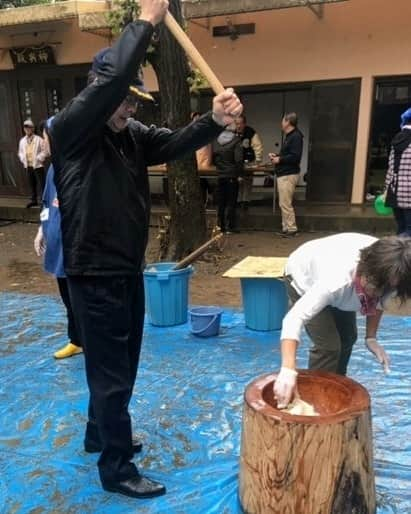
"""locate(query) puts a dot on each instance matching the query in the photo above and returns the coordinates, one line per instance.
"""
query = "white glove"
(379, 352)
(39, 243)
(285, 387)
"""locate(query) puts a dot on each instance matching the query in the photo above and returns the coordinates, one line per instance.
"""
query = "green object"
(380, 207)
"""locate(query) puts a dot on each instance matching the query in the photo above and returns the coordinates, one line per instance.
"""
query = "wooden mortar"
(308, 464)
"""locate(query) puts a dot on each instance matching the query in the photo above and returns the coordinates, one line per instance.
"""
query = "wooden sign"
(32, 55)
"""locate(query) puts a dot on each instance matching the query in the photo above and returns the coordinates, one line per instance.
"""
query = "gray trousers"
(333, 333)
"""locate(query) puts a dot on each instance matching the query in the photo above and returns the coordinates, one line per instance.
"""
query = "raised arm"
(162, 145)
(310, 304)
(257, 146)
(92, 107)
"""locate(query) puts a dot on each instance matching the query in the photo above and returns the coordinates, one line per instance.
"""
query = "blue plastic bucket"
(205, 321)
(166, 293)
(265, 303)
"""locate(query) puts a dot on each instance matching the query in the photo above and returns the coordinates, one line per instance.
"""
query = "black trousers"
(109, 315)
(403, 219)
(37, 180)
(227, 198)
(71, 326)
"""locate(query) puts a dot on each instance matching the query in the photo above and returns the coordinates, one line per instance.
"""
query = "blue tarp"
(186, 406)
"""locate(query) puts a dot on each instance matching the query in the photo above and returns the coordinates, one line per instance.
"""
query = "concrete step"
(310, 218)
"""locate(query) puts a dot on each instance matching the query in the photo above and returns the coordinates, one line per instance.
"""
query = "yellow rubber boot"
(68, 351)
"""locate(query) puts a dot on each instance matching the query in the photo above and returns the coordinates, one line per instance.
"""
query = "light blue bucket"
(265, 303)
(205, 321)
(166, 293)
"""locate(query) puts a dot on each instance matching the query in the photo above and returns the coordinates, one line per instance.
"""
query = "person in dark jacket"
(228, 159)
(100, 157)
(398, 179)
(287, 170)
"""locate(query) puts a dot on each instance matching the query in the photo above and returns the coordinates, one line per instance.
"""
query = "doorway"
(333, 134)
(36, 94)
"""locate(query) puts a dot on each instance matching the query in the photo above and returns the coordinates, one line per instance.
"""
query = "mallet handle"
(197, 253)
(193, 54)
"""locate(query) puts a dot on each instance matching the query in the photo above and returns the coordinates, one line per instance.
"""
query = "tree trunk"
(308, 465)
(188, 221)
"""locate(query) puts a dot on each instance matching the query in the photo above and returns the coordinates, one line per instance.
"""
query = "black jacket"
(101, 176)
(290, 154)
(228, 158)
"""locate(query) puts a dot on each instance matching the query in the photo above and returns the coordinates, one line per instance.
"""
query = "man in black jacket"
(228, 160)
(287, 169)
(100, 158)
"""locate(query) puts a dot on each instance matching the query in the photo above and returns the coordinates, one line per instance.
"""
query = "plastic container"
(205, 321)
(380, 207)
(166, 293)
(265, 303)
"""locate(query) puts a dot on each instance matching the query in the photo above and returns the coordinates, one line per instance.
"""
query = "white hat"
(391, 304)
(28, 123)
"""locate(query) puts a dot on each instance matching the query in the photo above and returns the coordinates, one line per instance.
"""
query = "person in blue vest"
(48, 243)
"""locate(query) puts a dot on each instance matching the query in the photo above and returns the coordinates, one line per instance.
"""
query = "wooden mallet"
(193, 54)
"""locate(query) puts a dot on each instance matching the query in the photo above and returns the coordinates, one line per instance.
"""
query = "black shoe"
(136, 487)
(31, 204)
(283, 233)
(91, 447)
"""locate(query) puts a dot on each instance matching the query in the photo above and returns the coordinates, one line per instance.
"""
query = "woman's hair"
(386, 265)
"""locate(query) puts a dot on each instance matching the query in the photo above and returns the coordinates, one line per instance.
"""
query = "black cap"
(136, 86)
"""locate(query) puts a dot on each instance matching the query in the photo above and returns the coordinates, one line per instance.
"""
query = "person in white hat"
(32, 154)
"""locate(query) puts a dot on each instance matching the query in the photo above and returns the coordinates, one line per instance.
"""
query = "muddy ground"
(21, 270)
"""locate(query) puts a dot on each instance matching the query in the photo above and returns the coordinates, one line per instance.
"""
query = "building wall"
(72, 46)
(357, 38)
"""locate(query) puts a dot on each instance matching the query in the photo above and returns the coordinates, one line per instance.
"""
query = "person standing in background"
(252, 155)
(32, 154)
(287, 170)
(398, 179)
(228, 159)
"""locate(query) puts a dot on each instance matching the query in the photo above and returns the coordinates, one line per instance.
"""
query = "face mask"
(368, 303)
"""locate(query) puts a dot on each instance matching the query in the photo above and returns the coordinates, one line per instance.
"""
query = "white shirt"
(40, 151)
(322, 273)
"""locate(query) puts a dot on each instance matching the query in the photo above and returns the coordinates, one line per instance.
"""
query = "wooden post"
(308, 465)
